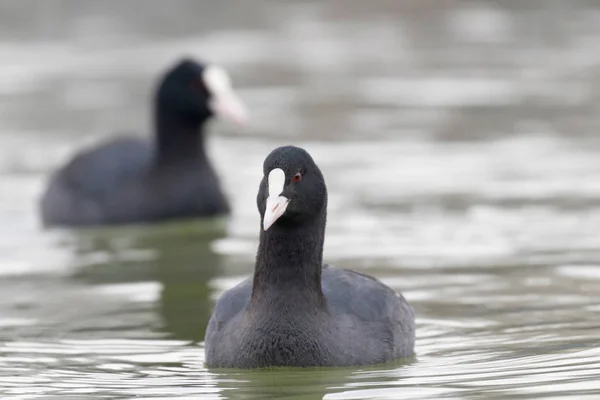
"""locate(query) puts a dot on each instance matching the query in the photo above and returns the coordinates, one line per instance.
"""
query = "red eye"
(198, 84)
(298, 177)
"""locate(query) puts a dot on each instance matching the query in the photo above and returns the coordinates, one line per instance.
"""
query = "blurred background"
(460, 144)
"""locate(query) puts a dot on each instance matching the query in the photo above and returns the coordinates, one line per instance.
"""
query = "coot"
(295, 311)
(130, 180)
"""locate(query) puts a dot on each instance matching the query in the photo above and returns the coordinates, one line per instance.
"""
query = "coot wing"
(102, 169)
(383, 313)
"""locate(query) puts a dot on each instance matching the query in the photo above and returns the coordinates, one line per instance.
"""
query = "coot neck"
(289, 263)
(178, 140)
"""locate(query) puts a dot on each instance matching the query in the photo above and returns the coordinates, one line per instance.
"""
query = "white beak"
(276, 204)
(225, 102)
(275, 208)
(228, 105)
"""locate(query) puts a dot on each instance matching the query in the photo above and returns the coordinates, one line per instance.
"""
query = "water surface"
(459, 143)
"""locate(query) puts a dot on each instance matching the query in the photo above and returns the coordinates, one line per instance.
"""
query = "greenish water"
(460, 145)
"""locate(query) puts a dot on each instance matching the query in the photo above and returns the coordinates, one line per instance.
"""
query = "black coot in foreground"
(131, 180)
(295, 311)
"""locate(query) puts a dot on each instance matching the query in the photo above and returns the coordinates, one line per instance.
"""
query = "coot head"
(292, 191)
(195, 91)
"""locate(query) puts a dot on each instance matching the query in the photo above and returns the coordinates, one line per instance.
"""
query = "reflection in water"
(177, 256)
(304, 383)
(281, 383)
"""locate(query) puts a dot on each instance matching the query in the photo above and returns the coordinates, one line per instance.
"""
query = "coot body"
(294, 311)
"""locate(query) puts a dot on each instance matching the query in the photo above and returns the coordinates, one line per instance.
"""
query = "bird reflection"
(307, 383)
(280, 383)
(178, 256)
